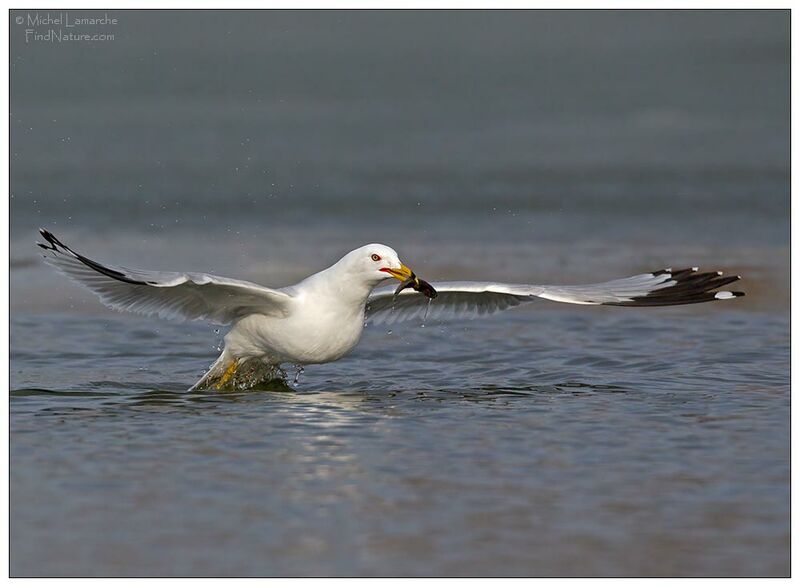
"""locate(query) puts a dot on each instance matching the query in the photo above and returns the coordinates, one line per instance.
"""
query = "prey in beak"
(407, 278)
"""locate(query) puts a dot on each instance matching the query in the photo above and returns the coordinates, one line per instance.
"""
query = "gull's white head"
(374, 263)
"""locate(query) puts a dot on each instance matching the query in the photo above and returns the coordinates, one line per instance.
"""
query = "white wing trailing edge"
(469, 299)
(178, 296)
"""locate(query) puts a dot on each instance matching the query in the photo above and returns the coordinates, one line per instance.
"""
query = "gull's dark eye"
(376, 257)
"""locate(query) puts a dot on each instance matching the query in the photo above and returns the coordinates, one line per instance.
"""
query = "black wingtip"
(687, 286)
(50, 238)
(59, 247)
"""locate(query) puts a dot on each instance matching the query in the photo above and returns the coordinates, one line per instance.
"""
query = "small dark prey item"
(419, 285)
(426, 288)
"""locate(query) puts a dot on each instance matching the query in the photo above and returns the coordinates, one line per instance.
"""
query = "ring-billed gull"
(321, 318)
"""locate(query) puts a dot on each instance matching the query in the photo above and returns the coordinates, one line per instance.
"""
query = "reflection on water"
(428, 451)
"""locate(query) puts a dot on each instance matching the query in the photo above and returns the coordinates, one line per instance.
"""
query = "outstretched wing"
(180, 296)
(466, 299)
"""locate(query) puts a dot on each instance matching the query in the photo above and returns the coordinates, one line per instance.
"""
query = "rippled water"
(532, 147)
(539, 442)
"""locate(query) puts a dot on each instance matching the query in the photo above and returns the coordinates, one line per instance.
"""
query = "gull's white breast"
(318, 329)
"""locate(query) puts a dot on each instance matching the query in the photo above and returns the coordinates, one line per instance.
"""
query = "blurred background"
(513, 145)
(534, 146)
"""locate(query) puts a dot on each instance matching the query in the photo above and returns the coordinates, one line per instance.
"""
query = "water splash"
(252, 374)
(297, 373)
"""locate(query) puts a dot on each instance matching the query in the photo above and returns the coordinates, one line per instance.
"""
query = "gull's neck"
(336, 283)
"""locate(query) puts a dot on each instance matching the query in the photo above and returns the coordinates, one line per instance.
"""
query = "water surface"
(553, 442)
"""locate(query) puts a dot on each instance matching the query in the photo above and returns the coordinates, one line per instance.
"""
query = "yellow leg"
(229, 373)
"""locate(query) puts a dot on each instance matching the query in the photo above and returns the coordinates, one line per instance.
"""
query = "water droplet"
(427, 308)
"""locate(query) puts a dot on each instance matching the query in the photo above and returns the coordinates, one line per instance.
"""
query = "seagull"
(321, 318)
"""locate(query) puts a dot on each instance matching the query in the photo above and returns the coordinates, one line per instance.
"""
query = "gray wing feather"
(172, 295)
(470, 299)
